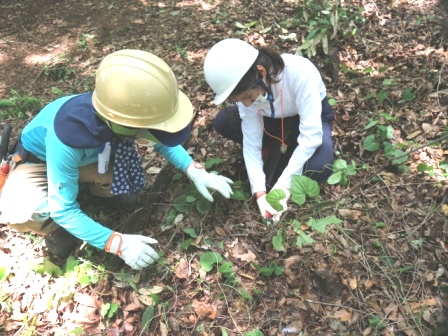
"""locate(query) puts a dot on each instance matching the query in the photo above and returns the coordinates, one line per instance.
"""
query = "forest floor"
(383, 270)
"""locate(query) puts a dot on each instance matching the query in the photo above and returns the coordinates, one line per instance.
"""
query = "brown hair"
(271, 60)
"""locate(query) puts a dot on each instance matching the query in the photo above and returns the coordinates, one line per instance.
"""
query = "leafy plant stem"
(379, 169)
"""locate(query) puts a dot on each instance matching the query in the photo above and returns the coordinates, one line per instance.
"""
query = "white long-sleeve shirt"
(300, 91)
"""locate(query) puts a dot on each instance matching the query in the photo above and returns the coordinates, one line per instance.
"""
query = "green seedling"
(108, 309)
(208, 260)
(19, 106)
(342, 172)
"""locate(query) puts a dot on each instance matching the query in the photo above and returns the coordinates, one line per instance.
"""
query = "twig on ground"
(26, 31)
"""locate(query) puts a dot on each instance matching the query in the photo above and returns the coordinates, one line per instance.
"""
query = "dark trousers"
(318, 167)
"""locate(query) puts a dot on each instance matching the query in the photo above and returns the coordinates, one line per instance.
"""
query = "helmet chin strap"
(270, 97)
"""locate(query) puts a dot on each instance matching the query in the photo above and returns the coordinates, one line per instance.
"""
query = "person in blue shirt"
(67, 142)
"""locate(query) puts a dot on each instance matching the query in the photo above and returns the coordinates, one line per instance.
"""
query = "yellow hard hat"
(135, 88)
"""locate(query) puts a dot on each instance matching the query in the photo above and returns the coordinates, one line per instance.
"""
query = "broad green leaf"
(77, 331)
(208, 260)
(274, 197)
(240, 25)
(224, 332)
(371, 124)
(377, 322)
(302, 186)
(104, 309)
(332, 101)
(4, 272)
(277, 242)
(211, 162)
(312, 33)
(266, 271)
(335, 178)
(202, 206)
(303, 239)
(380, 224)
(387, 132)
(238, 195)
(181, 205)
(147, 317)
(389, 81)
(370, 144)
(387, 261)
(191, 232)
(226, 268)
(190, 199)
(443, 165)
(408, 95)
(70, 264)
(339, 164)
(405, 269)
(382, 96)
(186, 244)
(321, 224)
(279, 270)
(391, 152)
(112, 310)
(51, 269)
(422, 167)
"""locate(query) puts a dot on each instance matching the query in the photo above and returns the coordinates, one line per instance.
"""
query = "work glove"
(133, 249)
(203, 180)
(276, 217)
(266, 210)
(271, 215)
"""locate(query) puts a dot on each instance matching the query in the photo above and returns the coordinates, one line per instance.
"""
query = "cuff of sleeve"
(196, 165)
(114, 243)
(258, 194)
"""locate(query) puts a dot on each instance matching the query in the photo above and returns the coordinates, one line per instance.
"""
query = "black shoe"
(60, 243)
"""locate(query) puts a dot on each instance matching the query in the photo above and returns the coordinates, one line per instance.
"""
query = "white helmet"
(225, 64)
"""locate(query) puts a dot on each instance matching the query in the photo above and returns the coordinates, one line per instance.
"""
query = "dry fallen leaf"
(248, 257)
(445, 209)
(369, 283)
(182, 269)
(133, 306)
(204, 309)
(163, 329)
(290, 262)
(150, 290)
(353, 283)
(343, 314)
(350, 213)
(220, 231)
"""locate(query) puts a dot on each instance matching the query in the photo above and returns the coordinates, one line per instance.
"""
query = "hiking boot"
(60, 243)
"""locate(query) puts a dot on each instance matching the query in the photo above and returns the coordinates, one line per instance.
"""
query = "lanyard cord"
(282, 140)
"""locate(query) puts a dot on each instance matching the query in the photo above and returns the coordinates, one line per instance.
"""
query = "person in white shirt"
(270, 91)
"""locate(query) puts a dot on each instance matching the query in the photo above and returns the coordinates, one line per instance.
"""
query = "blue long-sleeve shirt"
(39, 137)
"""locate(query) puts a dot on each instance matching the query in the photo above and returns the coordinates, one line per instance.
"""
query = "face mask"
(261, 99)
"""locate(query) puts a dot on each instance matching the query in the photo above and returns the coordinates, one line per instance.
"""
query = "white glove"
(133, 249)
(203, 180)
(266, 210)
(283, 202)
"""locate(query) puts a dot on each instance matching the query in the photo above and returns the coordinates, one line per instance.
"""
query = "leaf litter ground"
(353, 280)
